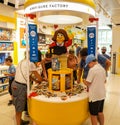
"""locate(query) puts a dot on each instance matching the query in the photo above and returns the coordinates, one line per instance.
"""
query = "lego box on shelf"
(5, 87)
(1, 89)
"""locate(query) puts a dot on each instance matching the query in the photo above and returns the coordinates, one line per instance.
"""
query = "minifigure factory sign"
(44, 6)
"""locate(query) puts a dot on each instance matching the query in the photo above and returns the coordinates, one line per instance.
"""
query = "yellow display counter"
(54, 111)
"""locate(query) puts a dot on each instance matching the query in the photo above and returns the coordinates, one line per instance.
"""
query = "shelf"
(3, 93)
(6, 41)
(4, 88)
(3, 67)
(4, 84)
(3, 76)
(44, 44)
(7, 51)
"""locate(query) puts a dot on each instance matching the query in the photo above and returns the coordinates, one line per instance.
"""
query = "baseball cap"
(89, 59)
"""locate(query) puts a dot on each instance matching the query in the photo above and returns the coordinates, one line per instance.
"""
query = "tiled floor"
(111, 108)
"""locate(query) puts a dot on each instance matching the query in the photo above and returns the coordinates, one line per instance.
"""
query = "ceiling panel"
(21, 2)
(112, 8)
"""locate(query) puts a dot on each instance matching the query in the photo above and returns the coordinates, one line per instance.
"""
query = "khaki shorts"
(19, 92)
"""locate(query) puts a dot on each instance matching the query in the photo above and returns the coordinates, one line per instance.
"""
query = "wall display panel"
(22, 38)
(6, 46)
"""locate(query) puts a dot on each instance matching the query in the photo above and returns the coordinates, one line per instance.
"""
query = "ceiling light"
(60, 19)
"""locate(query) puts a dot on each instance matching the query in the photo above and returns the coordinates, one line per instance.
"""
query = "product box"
(56, 82)
(1, 81)
(4, 71)
(1, 89)
(5, 80)
(55, 64)
(4, 47)
(68, 81)
(0, 46)
(5, 88)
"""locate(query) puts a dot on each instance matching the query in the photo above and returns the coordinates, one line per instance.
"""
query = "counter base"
(66, 113)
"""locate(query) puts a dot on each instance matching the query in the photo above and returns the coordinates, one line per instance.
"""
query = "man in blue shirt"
(83, 69)
(103, 50)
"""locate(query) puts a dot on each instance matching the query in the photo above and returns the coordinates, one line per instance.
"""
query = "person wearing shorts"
(19, 86)
(19, 93)
(96, 107)
(95, 81)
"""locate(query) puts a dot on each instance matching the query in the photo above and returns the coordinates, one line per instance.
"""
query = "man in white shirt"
(19, 86)
(96, 83)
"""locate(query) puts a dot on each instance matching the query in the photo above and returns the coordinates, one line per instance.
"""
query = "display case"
(60, 80)
(6, 44)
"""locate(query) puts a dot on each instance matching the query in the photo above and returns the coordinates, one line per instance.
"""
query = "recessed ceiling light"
(60, 19)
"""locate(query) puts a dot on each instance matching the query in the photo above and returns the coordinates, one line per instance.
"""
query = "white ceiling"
(21, 2)
(16, 3)
(112, 8)
(109, 10)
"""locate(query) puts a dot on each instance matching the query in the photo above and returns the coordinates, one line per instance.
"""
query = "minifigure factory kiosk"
(70, 110)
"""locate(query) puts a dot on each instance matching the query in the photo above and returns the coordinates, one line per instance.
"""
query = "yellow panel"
(15, 55)
(9, 19)
(87, 2)
(69, 113)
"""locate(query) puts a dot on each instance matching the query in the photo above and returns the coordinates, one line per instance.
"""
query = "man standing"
(103, 50)
(83, 70)
(19, 86)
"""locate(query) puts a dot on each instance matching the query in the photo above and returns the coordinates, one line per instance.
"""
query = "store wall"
(7, 17)
(116, 48)
(8, 21)
(20, 32)
(6, 10)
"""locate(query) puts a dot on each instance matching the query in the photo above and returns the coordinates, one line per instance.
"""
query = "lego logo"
(33, 33)
(91, 35)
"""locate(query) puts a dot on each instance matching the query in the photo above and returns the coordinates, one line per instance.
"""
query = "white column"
(116, 47)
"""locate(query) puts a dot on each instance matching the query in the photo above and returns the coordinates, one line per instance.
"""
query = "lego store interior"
(34, 28)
